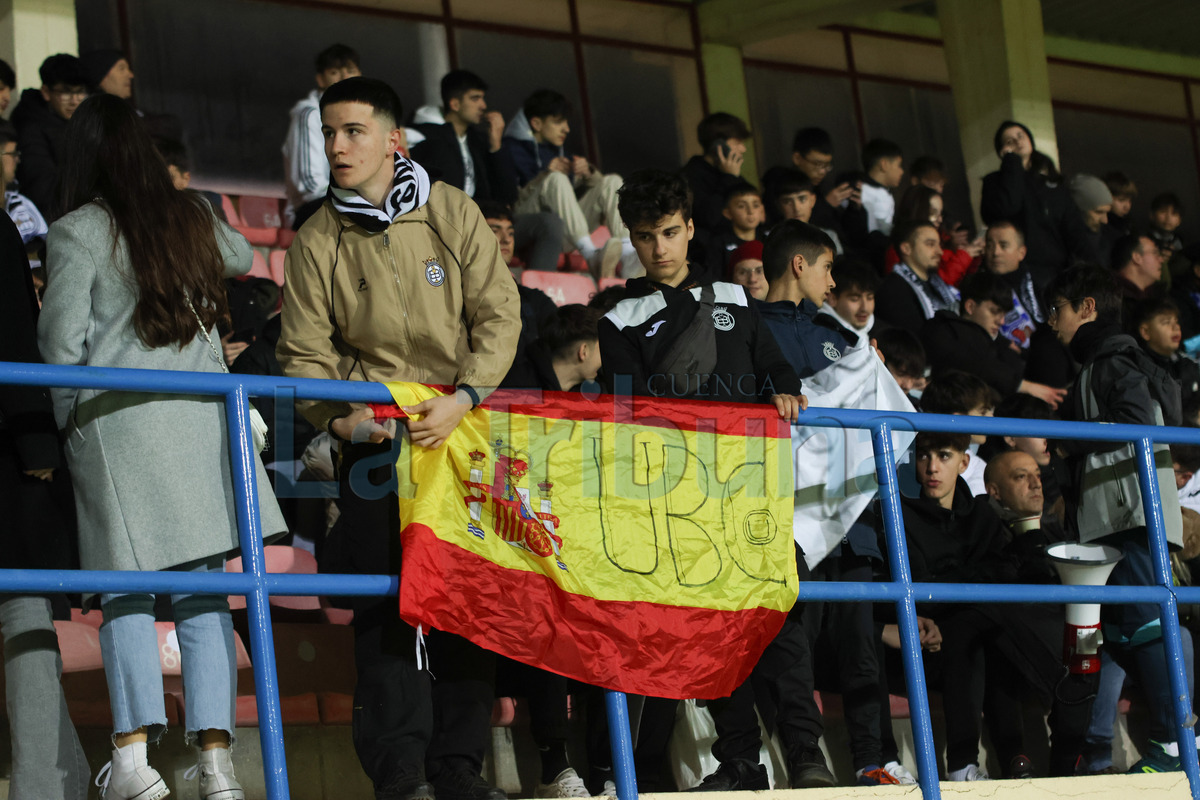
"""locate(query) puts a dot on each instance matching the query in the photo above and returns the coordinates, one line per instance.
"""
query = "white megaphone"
(1083, 565)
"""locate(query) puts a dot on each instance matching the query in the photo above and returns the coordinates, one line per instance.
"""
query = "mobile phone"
(720, 148)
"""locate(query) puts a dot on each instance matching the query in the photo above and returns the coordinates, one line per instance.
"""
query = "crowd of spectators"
(1070, 304)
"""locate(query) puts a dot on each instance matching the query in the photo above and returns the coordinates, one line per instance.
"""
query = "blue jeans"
(1098, 750)
(129, 645)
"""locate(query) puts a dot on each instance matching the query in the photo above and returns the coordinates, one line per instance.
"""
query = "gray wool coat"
(152, 473)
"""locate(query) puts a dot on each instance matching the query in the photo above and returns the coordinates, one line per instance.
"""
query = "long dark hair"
(109, 157)
(915, 203)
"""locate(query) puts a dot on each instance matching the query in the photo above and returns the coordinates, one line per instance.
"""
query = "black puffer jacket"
(39, 136)
(966, 543)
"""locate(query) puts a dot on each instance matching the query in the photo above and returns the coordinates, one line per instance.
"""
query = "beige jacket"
(429, 300)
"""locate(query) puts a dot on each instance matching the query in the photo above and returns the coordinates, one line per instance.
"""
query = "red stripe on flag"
(636, 647)
(727, 419)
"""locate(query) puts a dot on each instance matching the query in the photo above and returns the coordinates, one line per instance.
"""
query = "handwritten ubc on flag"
(625, 542)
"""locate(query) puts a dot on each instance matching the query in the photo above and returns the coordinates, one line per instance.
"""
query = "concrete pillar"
(725, 85)
(31, 30)
(996, 54)
(435, 61)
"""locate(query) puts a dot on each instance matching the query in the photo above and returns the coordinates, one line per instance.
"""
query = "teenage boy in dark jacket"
(550, 180)
(744, 364)
(710, 176)
(41, 118)
(638, 335)
(971, 342)
(1085, 313)
(460, 152)
(955, 538)
(798, 261)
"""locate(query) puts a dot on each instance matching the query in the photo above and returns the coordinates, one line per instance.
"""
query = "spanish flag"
(629, 543)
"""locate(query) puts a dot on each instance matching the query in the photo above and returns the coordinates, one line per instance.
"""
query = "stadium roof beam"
(741, 22)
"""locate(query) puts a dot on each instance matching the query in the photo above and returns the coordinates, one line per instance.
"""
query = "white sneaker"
(971, 772)
(605, 261)
(610, 789)
(129, 777)
(897, 771)
(215, 770)
(567, 784)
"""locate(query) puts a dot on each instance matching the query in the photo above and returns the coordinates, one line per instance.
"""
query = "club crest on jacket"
(722, 319)
(434, 272)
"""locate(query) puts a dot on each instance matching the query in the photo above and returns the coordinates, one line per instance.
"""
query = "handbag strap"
(207, 337)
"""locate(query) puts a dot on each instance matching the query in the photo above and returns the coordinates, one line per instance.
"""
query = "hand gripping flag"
(630, 544)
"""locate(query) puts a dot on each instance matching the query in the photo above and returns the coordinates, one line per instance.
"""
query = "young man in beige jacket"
(394, 279)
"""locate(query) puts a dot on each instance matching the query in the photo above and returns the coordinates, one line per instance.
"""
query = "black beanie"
(1008, 123)
(96, 65)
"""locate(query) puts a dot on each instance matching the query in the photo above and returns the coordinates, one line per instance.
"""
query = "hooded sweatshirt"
(523, 153)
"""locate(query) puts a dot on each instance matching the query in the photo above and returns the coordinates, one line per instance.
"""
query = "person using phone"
(711, 176)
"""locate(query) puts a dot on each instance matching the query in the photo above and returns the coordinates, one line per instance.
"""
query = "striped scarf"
(410, 191)
(933, 295)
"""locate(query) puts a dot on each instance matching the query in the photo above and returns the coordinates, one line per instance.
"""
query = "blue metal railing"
(258, 585)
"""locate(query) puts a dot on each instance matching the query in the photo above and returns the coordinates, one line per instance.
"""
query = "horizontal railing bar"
(207, 383)
(285, 584)
(282, 584)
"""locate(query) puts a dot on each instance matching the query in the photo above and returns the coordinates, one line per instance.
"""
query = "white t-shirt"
(880, 207)
(468, 166)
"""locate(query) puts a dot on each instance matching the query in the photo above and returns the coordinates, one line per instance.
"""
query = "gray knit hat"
(1089, 192)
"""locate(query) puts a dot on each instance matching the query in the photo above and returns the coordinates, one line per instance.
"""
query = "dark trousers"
(406, 723)
(976, 640)
(784, 676)
(785, 671)
(538, 240)
(547, 696)
(844, 634)
(1146, 656)
(654, 727)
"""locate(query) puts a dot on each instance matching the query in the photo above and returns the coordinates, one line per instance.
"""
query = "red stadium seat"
(94, 618)
(260, 212)
(296, 710)
(275, 265)
(259, 267)
(286, 235)
(562, 287)
(231, 212)
(280, 558)
(79, 644)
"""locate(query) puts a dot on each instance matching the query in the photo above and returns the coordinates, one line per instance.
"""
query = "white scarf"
(861, 333)
(410, 191)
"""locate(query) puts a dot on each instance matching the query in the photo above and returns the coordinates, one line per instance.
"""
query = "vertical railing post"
(262, 641)
(621, 740)
(906, 607)
(1168, 614)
